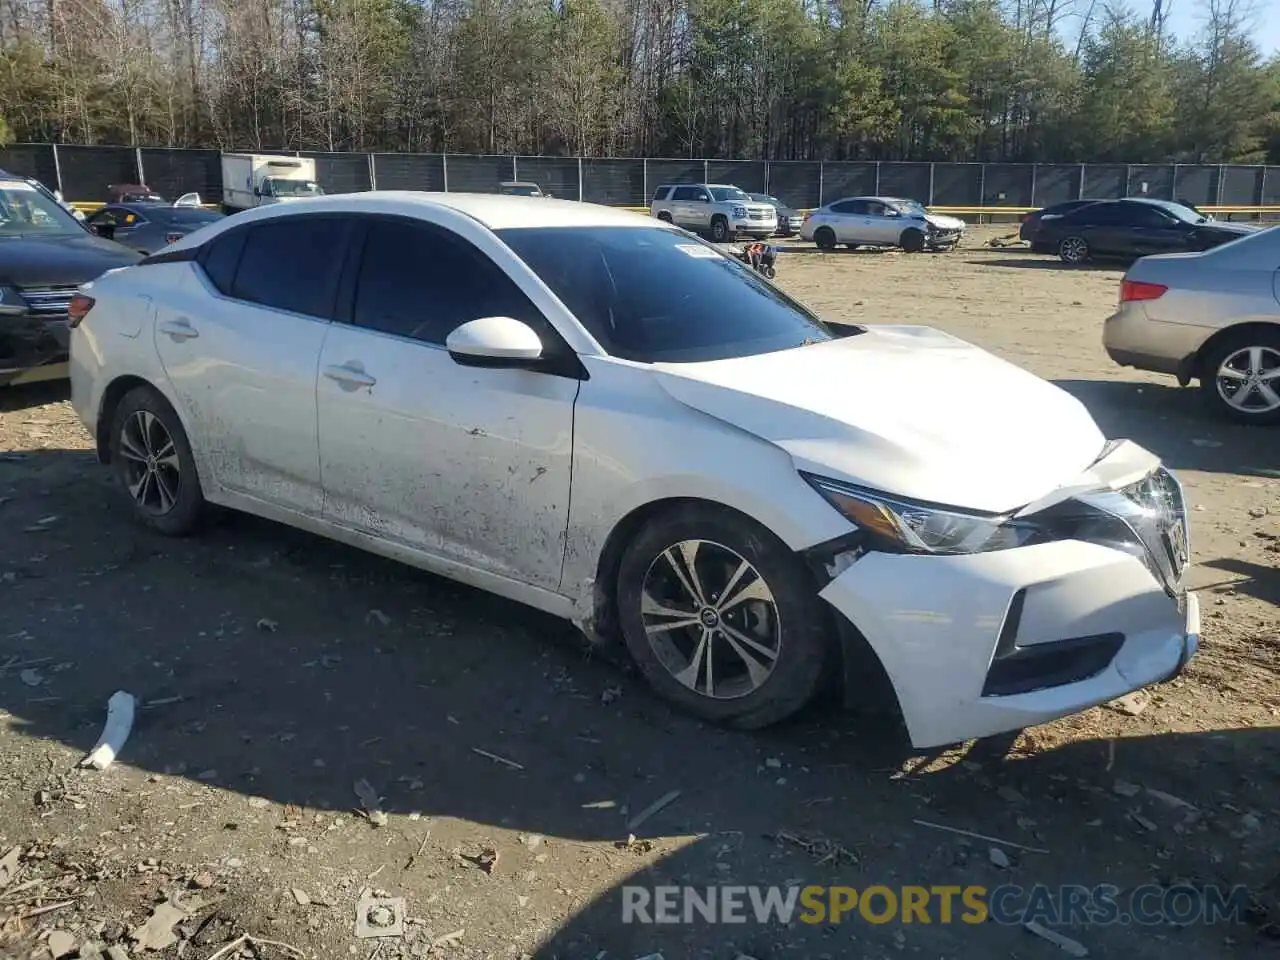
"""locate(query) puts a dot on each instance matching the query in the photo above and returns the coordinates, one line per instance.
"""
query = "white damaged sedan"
(605, 418)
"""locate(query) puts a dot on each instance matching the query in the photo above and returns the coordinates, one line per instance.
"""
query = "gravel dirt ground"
(273, 670)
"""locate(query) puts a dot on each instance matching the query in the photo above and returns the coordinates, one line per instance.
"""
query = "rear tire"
(770, 272)
(825, 238)
(665, 217)
(748, 663)
(1234, 374)
(153, 464)
(912, 240)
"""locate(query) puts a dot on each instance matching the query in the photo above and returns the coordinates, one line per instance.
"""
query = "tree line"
(946, 80)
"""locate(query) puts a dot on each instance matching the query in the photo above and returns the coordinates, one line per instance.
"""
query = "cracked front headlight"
(904, 527)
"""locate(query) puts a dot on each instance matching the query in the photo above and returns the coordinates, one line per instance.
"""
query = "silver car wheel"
(1074, 250)
(153, 472)
(1249, 380)
(711, 620)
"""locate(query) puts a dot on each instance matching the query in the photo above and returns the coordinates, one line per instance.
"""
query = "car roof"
(495, 210)
(878, 199)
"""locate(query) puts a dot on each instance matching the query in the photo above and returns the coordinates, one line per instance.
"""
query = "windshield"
(26, 211)
(909, 206)
(654, 295)
(522, 190)
(765, 198)
(276, 187)
(1183, 213)
(728, 193)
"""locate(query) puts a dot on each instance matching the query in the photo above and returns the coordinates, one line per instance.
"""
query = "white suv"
(720, 210)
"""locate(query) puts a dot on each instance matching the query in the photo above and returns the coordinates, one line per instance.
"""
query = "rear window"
(191, 217)
(654, 295)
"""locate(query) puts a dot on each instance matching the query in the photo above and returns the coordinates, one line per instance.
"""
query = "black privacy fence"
(83, 174)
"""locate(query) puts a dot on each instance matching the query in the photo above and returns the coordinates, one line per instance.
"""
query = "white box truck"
(254, 180)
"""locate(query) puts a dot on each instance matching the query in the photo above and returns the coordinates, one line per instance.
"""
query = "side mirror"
(494, 342)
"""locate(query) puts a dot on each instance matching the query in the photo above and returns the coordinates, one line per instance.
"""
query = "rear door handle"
(179, 330)
(349, 375)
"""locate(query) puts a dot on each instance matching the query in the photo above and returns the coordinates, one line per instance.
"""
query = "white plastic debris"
(1068, 946)
(371, 802)
(120, 709)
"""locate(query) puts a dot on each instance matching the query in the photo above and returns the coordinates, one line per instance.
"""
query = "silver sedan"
(1212, 317)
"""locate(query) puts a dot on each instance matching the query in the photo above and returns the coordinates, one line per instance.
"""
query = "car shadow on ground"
(1255, 579)
(1042, 261)
(33, 395)
(276, 665)
(1173, 422)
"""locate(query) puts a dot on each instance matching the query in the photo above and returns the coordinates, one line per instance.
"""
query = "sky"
(1186, 18)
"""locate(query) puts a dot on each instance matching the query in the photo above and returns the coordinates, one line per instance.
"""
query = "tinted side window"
(848, 206)
(220, 258)
(1141, 216)
(661, 193)
(422, 282)
(1100, 214)
(110, 216)
(292, 264)
(686, 193)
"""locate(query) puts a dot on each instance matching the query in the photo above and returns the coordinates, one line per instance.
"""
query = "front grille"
(50, 302)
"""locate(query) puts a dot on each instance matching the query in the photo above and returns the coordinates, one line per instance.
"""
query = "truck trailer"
(254, 180)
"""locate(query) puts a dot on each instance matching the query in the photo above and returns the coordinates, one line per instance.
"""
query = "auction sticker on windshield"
(698, 251)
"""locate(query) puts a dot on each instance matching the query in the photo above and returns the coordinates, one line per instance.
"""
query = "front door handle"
(179, 329)
(347, 374)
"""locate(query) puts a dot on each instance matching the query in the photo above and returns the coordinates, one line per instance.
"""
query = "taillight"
(1131, 290)
(78, 309)
(172, 237)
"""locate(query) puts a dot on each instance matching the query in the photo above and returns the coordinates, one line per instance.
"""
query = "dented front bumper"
(32, 348)
(986, 643)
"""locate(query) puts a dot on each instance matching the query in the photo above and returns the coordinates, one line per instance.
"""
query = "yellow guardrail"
(993, 211)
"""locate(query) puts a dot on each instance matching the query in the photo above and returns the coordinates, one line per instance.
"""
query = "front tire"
(152, 459)
(1074, 250)
(912, 240)
(1240, 378)
(721, 617)
(720, 231)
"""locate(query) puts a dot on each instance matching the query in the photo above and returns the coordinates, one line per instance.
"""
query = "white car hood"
(946, 223)
(909, 411)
